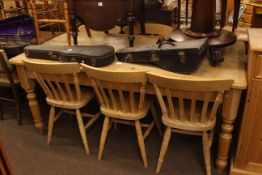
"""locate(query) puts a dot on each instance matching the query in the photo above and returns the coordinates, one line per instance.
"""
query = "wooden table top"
(234, 66)
(255, 42)
(251, 3)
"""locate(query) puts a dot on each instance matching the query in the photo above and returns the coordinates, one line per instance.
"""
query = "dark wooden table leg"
(131, 37)
(73, 22)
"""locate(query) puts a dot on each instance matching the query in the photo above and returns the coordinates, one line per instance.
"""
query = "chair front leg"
(82, 130)
(50, 124)
(206, 150)
(141, 143)
(164, 147)
(103, 137)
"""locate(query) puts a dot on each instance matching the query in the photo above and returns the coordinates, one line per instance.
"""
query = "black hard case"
(181, 57)
(95, 55)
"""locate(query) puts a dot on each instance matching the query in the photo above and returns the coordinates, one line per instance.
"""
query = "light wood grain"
(248, 159)
(252, 3)
(255, 43)
(62, 95)
(198, 100)
(234, 67)
(49, 20)
(118, 101)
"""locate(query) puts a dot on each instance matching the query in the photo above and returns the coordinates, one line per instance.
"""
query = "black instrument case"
(181, 57)
(95, 55)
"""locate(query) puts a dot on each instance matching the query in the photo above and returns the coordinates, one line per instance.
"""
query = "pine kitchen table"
(234, 67)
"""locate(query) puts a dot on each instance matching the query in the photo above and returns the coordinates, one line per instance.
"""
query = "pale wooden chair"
(119, 102)
(55, 79)
(190, 107)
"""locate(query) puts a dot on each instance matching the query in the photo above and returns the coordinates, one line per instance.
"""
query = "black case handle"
(162, 41)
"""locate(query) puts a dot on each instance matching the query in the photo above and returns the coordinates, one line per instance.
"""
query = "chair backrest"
(6, 71)
(58, 80)
(5, 62)
(191, 101)
(116, 89)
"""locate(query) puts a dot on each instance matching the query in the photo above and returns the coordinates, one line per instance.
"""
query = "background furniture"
(15, 7)
(102, 15)
(159, 15)
(60, 94)
(8, 78)
(248, 157)
(203, 26)
(120, 104)
(252, 16)
(189, 107)
(50, 13)
(233, 68)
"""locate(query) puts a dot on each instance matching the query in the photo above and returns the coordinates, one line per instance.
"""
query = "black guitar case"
(95, 55)
(181, 57)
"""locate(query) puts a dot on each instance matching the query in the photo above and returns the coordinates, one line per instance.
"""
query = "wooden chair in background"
(54, 79)
(119, 102)
(50, 13)
(189, 107)
(8, 78)
(159, 15)
(15, 7)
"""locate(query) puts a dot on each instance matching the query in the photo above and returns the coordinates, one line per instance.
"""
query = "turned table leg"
(29, 86)
(229, 114)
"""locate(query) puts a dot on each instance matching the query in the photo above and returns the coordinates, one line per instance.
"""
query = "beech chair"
(55, 79)
(8, 78)
(190, 107)
(119, 102)
(51, 15)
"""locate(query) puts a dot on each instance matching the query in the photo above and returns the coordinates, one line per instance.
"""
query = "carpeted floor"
(30, 155)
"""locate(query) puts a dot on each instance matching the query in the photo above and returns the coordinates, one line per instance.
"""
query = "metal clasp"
(93, 61)
(182, 56)
(154, 57)
(128, 58)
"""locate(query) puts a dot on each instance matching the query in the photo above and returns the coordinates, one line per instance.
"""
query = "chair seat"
(186, 125)
(86, 96)
(119, 114)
